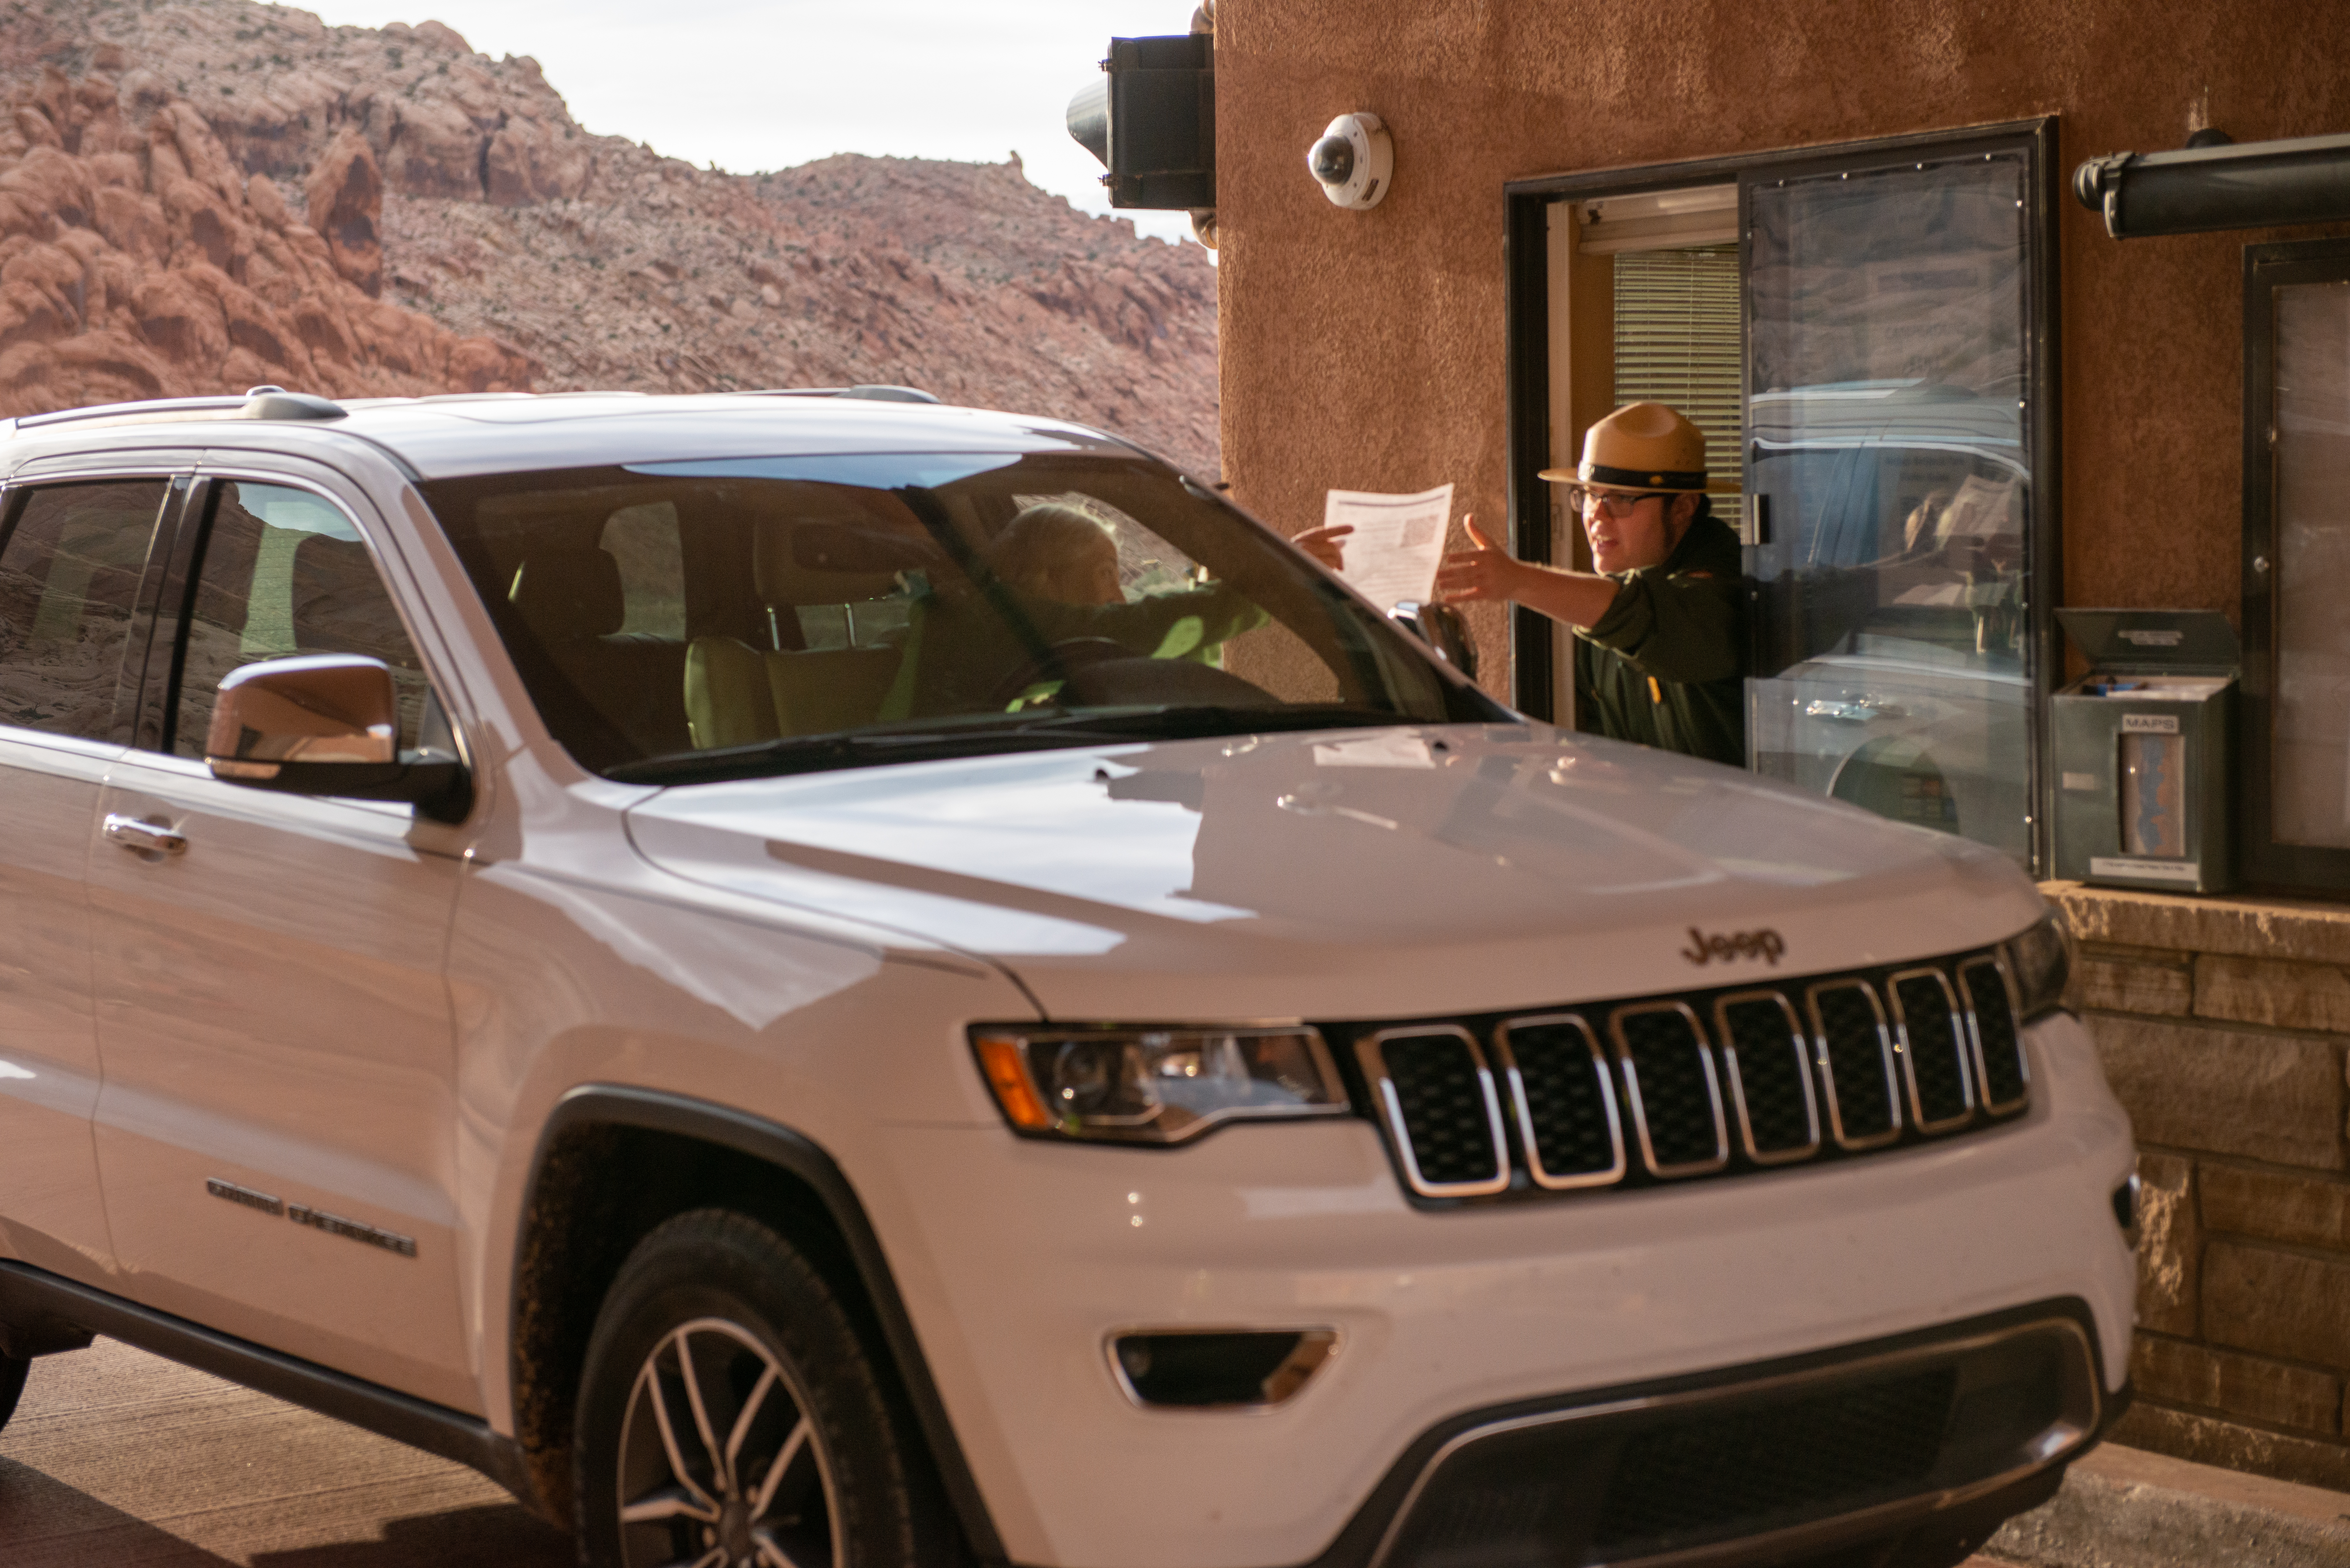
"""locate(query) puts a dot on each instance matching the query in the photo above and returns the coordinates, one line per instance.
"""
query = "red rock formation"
(346, 194)
(137, 261)
(601, 262)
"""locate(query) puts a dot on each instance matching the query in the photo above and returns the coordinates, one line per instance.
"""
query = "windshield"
(730, 618)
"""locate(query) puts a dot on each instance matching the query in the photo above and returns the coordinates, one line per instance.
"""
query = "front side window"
(68, 575)
(282, 572)
(701, 618)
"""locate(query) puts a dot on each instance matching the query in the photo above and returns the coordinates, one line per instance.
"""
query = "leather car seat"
(739, 695)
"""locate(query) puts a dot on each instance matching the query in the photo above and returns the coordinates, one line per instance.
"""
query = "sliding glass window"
(1892, 489)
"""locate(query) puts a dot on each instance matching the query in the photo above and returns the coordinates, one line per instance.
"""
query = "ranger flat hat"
(1640, 446)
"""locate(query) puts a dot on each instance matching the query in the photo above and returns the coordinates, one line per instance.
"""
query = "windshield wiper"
(1046, 731)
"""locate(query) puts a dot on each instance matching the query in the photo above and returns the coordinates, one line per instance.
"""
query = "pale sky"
(754, 85)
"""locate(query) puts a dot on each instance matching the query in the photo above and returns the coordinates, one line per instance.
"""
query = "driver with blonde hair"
(1053, 551)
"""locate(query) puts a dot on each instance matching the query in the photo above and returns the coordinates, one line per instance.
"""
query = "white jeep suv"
(827, 980)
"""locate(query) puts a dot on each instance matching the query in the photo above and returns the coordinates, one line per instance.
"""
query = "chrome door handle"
(154, 837)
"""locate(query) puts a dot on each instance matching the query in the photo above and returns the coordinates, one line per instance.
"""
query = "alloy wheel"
(721, 1464)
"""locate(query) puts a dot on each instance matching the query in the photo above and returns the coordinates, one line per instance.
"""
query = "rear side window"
(283, 572)
(69, 574)
(644, 541)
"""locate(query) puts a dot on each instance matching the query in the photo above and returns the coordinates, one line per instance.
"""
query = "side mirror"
(1440, 626)
(327, 724)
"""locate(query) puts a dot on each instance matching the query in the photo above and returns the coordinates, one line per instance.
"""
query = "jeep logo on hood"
(1765, 944)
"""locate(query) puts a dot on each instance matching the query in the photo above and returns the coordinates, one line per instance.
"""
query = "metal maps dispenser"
(2145, 750)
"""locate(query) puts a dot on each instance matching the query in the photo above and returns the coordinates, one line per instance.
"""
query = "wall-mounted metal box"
(2145, 750)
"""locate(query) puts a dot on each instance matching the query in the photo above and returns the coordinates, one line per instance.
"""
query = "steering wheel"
(1063, 659)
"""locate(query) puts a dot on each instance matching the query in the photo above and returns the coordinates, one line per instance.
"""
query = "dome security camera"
(1354, 161)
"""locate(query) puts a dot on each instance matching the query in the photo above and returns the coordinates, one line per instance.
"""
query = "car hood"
(1348, 874)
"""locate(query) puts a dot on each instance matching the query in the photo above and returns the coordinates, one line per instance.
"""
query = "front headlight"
(2041, 959)
(1154, 1085)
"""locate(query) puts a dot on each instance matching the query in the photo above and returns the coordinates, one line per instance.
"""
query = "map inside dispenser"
(2154, 795)
(2150, 687)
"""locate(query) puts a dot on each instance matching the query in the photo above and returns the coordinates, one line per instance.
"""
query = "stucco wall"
(1366, 350)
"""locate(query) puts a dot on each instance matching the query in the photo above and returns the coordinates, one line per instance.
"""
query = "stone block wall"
(2224, 1027)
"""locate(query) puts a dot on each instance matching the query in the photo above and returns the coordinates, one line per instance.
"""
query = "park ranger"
(1660, 633)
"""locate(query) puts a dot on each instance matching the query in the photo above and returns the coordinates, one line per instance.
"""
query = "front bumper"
(1040, 1253)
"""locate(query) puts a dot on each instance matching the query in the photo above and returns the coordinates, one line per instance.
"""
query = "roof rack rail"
(257, 403)
(151, 406)
(877, 392)
(888, 394)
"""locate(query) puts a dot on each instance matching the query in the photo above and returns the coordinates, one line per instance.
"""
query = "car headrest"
(338, 603)
(324, 572)
(565, 595)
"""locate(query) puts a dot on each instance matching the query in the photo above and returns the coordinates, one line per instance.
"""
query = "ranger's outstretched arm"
(1488, 572)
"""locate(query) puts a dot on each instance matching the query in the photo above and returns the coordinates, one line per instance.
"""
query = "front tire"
(730, 1415)
(12, 1385)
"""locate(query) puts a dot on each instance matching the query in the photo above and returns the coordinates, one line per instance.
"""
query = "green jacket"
(1664, 666)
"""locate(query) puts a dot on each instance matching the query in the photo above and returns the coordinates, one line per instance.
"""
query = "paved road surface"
(117, 1458)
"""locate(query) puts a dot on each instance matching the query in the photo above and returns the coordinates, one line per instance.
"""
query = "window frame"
(2263, 862)
(1533, 646)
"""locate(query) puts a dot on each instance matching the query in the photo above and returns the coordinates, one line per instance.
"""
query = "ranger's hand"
(1486, 572)
(1324, 544)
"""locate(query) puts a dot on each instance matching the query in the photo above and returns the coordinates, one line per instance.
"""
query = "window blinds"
(1677, 343)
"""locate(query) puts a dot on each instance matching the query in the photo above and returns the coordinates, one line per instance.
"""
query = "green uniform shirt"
(1664, 666)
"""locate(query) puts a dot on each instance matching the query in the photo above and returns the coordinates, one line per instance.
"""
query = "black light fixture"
(2212, 183)
(1151, 121)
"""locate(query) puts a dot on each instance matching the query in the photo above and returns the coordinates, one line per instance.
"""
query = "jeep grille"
(1720, 1082)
